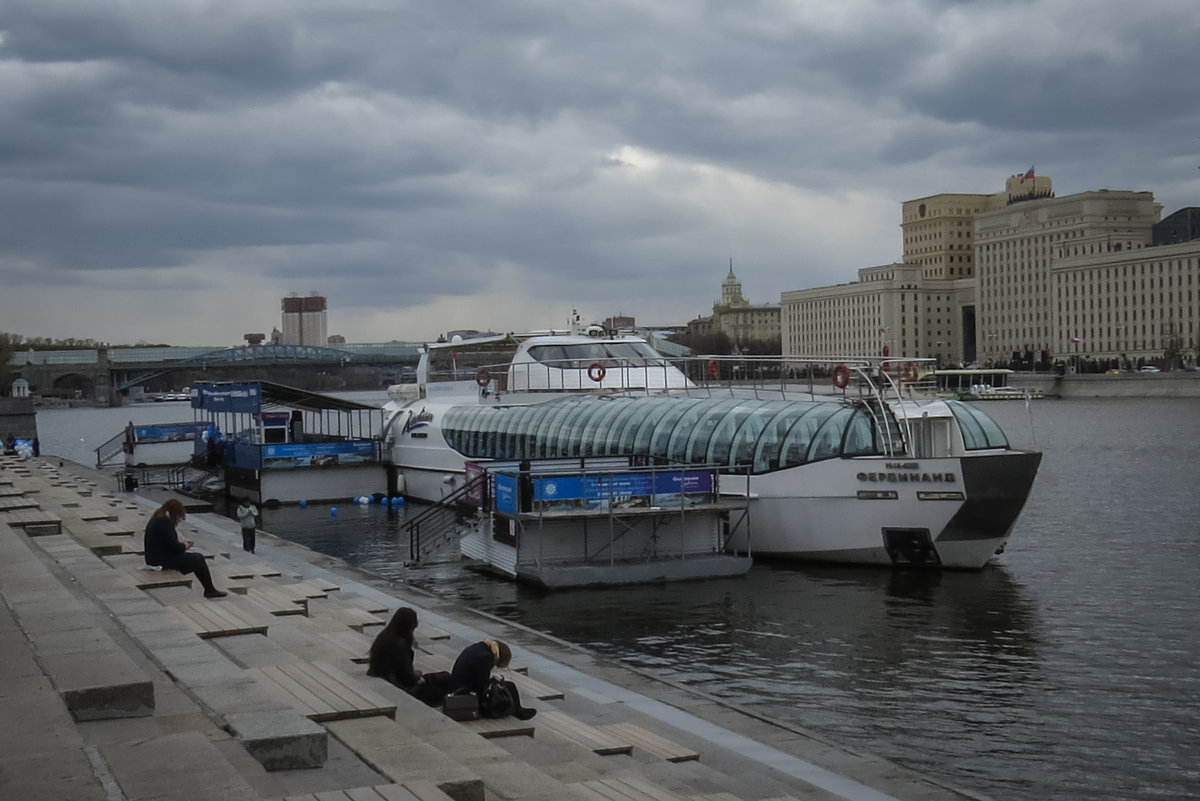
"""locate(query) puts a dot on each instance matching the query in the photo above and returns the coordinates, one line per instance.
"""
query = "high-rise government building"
(1057, 276)
(923, 306)
(1018, 278)
(304, 320)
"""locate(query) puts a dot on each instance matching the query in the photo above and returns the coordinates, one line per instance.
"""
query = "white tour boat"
(832, 462)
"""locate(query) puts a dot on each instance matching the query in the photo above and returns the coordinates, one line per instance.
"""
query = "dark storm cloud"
(400, 155)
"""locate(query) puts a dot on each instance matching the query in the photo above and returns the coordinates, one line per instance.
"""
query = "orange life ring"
(841, 376)
(713, 369)
(597, 372)
(483, 377)
(910, 372)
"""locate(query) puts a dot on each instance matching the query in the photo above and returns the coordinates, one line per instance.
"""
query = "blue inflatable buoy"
(303, 503)
(333, 511)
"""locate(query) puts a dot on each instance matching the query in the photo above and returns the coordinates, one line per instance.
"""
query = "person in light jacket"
(246, 514)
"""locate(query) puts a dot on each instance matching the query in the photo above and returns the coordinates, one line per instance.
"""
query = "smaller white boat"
(981, 384)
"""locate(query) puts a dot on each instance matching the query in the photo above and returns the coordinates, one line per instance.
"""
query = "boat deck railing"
(770, 375)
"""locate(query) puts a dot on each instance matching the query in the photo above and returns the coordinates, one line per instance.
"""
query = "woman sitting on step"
(391, 658)
(472, 672)
(164, 548)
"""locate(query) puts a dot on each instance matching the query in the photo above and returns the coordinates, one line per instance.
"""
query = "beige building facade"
(891, 310)
(1129, 307)
(1035, 283)
(1019, 277)
(740, 320)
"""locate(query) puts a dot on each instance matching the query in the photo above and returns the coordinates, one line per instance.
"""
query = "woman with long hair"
(391, 658)
(165, 549)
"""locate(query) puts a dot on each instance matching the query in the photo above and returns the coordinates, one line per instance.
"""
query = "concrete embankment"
(119, 683)
(1176, 384)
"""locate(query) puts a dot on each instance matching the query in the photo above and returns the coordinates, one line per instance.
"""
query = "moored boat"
(833, 464)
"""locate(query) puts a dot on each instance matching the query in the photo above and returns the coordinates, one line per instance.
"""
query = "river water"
(1067, 669)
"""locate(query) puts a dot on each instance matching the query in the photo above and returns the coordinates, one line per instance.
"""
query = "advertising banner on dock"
(620, 485)
(599, 490)
(307, 454)
(232, 398)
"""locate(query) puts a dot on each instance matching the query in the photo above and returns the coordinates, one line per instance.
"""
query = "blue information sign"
(506, 493)
(227, 397)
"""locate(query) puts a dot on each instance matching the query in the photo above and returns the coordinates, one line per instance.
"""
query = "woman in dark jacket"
(391, 655)
(391, 658)
(163, 547)
(473, 670)
(474, 665)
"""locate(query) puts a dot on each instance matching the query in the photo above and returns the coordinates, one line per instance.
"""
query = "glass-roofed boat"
(835, 465)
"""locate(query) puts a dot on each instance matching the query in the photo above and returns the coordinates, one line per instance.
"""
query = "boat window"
(682, 433)
(634, 354)
(719, 447)
(526, 440)
(666, 425)
(761, 435)
(828, 441)
(705, 429)
(594, 434)
(741, 449)
(556, 419)
(769, 451)
(644, 432)
(794, 449)
(624, 428)
(552, 354)
(860, 436)
(979, 432)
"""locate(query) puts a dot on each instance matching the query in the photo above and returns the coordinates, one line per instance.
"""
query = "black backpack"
(497, 700)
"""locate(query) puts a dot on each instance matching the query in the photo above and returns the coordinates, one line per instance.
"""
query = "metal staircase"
(444, 520)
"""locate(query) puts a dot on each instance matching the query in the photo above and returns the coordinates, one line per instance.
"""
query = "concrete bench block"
(100, 685)
(280, 740)
(105, 702)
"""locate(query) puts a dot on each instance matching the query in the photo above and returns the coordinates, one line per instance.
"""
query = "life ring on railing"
(483, 377)
(597, 372)
(910, 372)
(841, 376)
(713, 369)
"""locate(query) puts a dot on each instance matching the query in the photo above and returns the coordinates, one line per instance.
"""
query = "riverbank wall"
(1177, 384)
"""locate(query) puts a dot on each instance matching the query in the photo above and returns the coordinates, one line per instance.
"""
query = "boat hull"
(949, 512)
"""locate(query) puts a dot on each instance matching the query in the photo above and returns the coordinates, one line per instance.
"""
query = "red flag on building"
(1028, 175)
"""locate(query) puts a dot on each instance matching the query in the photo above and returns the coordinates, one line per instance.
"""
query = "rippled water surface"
(1068, 669)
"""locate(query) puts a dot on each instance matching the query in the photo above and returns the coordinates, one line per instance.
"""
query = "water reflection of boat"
(835, 465)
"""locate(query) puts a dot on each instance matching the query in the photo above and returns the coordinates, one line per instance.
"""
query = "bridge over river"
(113, 376)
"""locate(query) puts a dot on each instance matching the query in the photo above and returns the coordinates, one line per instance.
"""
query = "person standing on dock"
(164, 548)
(246, 514)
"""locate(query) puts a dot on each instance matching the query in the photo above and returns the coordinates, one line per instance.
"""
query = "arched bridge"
(106, 374)
(262, 354)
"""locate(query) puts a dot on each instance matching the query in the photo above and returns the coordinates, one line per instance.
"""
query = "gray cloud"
(418, 161)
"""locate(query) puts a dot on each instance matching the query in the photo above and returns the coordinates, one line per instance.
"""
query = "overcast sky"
(170, 169)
